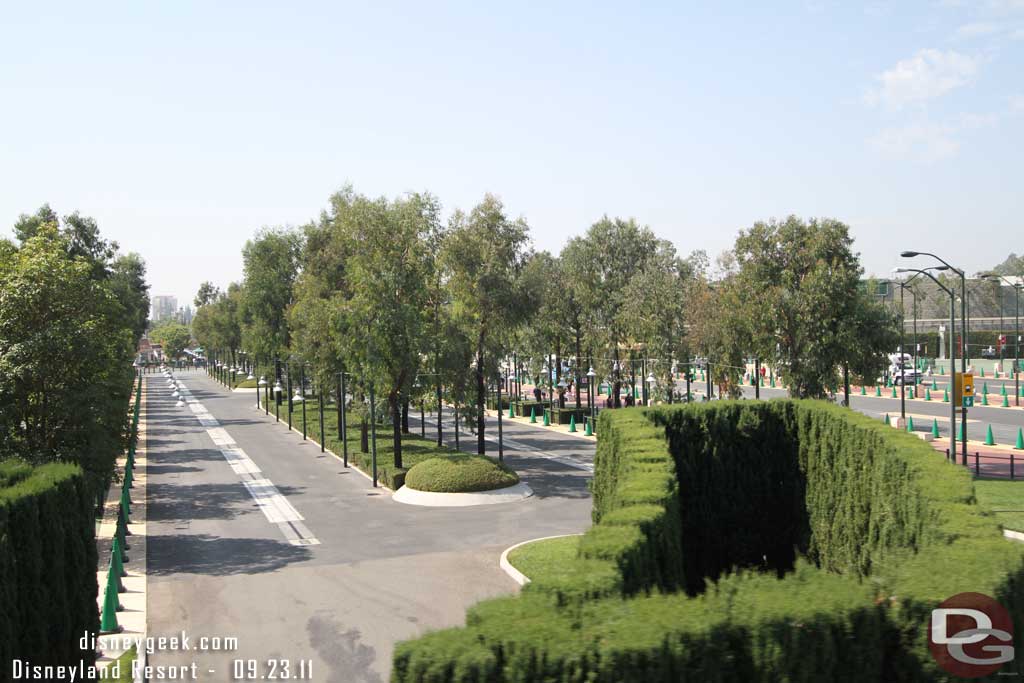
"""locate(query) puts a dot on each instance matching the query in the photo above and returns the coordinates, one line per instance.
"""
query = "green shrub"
(47, 564)
(460, 474)
(845, 533)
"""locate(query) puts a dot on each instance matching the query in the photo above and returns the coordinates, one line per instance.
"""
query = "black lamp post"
(300, 396)
(1016, 327)
(342, 427)
(288, 377)
(952, 351)
(373, 435)
(591, 375)
(501, 445)
(263, 386)
(966, 329)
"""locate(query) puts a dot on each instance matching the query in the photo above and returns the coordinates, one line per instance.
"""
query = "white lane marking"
(271, 502)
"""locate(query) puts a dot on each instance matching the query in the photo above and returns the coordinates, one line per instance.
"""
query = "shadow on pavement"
(203, 554)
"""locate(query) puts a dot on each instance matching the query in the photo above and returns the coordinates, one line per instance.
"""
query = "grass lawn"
(546, 559)
(126, 666)
(414, 447)
(246, 383)
(1005, 498)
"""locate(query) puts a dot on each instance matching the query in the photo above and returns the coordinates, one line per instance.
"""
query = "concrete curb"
(560, 429)
(509, 494)
(517, 576)
(1014, 535)
(245, 390)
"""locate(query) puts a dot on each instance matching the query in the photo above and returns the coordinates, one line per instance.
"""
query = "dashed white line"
(271, 502)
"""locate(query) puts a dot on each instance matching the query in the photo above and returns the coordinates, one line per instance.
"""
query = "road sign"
(968, 401)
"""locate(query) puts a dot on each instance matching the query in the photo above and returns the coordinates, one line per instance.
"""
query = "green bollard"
(984, 388)
(1002, 389)
(863, 390)
(511, 412)
(533, 415)
(1006, 401)
(984, 399)
(887, 422)
(983, 372)
(945, 395)
(588, 431)
(927, 394)
(878, 391)
(894, 394)
(1020, 439)
(960, 432)
(910, 423)
(935, 428)
(547, 418)
(572, 423)
(989, 440)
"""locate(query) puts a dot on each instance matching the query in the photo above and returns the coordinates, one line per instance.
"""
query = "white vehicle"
(907, 373)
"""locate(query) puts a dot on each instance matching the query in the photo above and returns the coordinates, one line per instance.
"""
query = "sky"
(184, 127)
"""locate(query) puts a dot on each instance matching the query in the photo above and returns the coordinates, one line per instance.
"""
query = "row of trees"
(72, 309)
(386, 290)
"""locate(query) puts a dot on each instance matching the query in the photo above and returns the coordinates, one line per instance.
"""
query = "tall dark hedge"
(868, 527)
(47, 565)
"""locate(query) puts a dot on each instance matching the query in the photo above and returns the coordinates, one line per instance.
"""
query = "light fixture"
(277, 387)
(591, 373)
(297, 398)
(650, 378)
(263, 381)
(250, 377)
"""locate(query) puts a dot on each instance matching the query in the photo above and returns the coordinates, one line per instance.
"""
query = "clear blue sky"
(184, 126)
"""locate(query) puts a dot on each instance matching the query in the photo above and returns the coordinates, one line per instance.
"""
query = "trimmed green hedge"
(845, 535)
(47, 564)
(460, 474)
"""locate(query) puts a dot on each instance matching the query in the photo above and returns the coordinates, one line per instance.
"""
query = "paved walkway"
(222, 562)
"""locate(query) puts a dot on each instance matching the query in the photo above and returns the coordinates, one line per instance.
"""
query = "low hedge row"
(888, 529)
(47, 564)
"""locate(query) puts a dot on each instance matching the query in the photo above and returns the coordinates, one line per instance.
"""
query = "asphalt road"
(301, 559)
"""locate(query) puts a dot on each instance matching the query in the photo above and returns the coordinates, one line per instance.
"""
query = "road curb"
(517, 576)
(509, 494)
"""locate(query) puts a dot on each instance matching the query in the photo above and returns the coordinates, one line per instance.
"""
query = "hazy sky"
(183, 127)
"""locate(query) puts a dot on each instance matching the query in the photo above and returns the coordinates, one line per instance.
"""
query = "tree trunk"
(364, 436)
(405, 416)
(396, 426)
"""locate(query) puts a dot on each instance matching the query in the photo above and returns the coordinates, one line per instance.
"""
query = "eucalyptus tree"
(655, 311)
(388, 268)
(610, 255)
(484, 257)
(799, 285)
(270, 264)
(207, 294)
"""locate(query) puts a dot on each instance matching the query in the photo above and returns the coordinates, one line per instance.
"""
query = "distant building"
(184, 315)
(163, 308)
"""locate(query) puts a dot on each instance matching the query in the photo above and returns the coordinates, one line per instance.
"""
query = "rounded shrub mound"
(460, 474)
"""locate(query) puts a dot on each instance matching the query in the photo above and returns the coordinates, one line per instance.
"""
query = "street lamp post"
(952, 351)
(1016, 328)
(320, 408)
(264, 386)
(342, 427)
(373, 435)
(591, 375)
(757, 378)
(966, 325)
(501, 445)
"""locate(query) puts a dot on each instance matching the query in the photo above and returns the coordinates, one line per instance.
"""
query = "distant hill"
(1013, 265)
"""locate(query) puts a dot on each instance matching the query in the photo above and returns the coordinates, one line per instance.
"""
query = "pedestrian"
(537, 394)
